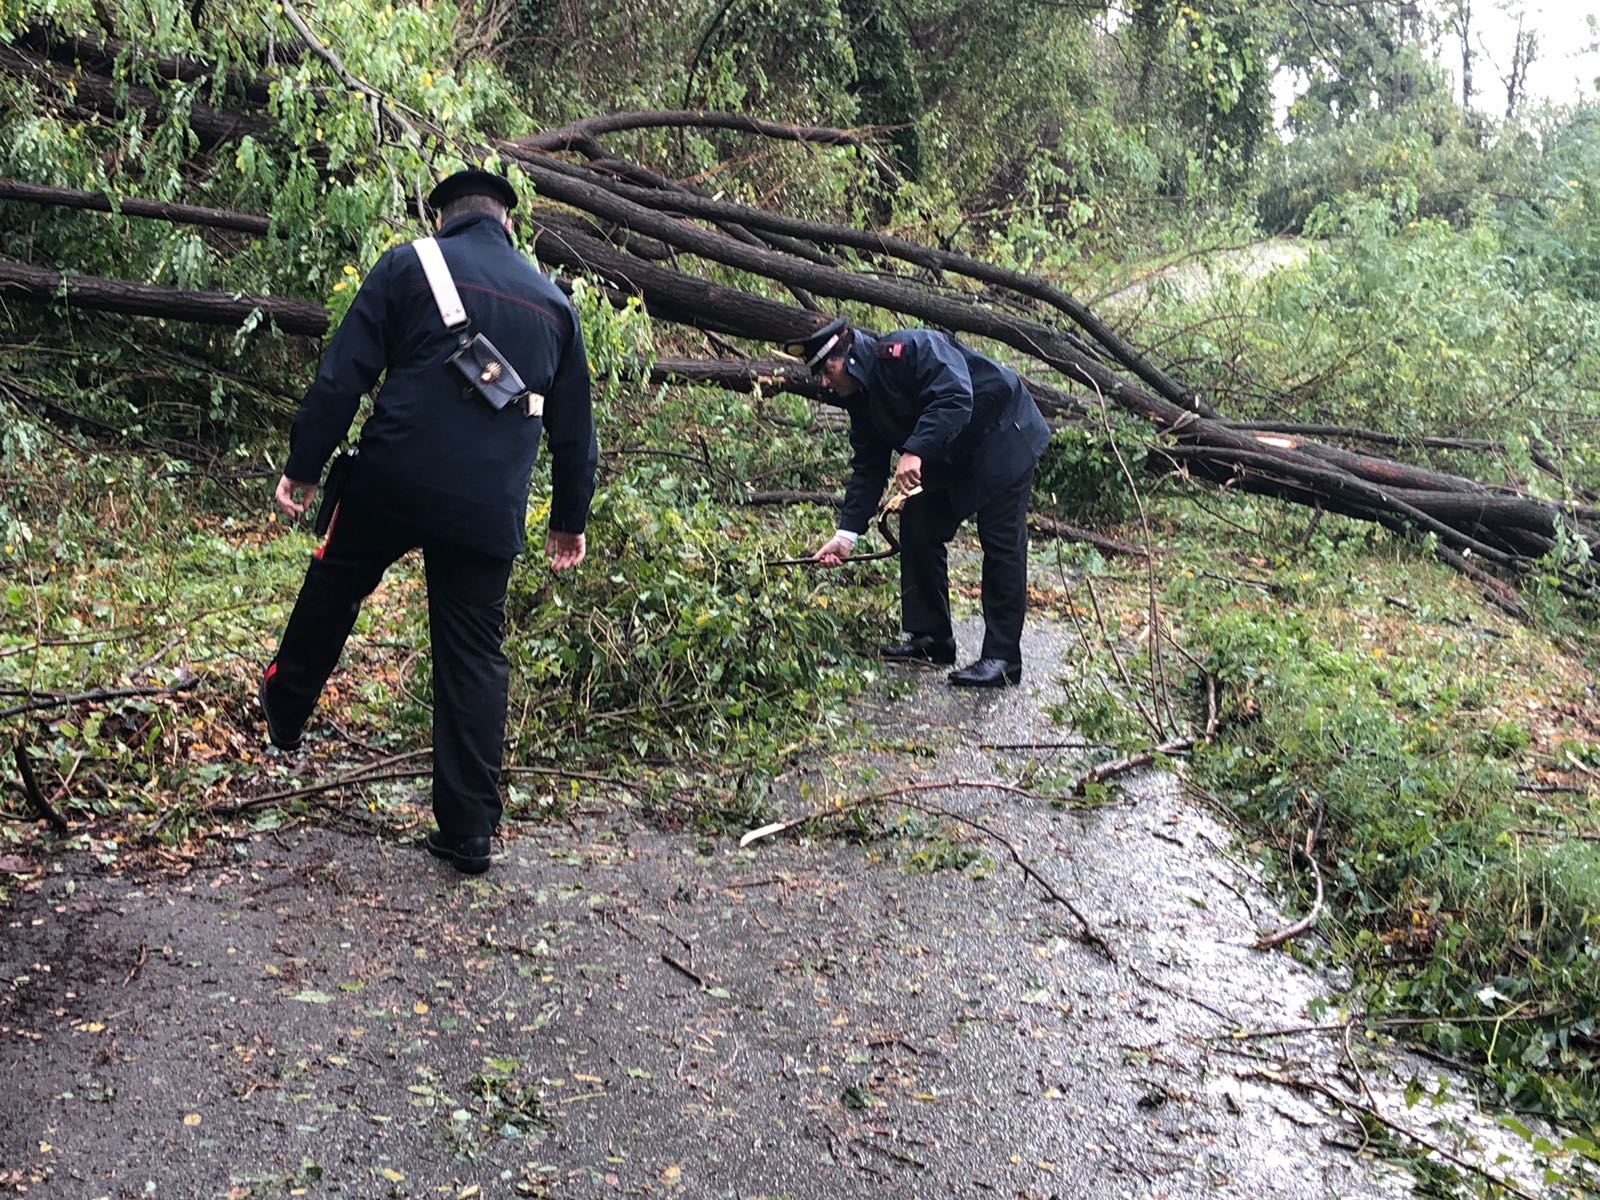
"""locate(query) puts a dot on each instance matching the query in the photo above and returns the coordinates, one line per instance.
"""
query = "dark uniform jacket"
(971, 421)
(437, 458)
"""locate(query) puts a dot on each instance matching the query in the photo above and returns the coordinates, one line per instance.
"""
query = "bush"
(1082, 480)
(677, 644)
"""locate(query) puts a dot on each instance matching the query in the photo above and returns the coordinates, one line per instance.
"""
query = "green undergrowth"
(680, 647)
(1441, 758)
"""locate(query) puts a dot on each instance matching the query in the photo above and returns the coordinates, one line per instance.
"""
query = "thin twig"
(1079, 626)
(1130, 762)
(1248, 1035)
(30, 785)
(1573, 761)
(1179, 745)
(1151, 981)
(1558, 833)
(900, 796)
(136, 631)
(41, 703)
(1321, 1089)
(611, 780)
(371, 773)
(375, 772)
(1310, 919)
(350, 81)
(1056, 528)
(1150, 722)
(158, 655)
(683, 970)
(1080, 744)
(138, 964)
(1160, 687)
(1350, 1058)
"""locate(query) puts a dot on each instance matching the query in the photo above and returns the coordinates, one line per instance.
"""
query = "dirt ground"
(618, 1009)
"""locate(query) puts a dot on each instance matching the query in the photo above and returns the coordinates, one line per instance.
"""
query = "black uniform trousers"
(927, 523)
(466, 621)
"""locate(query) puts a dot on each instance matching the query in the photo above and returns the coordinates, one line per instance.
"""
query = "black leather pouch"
(344, 461)
(486, 371)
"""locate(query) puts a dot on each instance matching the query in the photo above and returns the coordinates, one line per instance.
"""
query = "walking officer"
(442, 468)
(969, 435)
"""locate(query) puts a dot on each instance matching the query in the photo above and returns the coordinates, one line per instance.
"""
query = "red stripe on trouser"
(333, 523)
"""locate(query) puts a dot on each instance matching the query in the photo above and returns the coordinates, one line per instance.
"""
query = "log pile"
(643, 234)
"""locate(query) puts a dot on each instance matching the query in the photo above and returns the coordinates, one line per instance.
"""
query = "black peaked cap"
(472, 182)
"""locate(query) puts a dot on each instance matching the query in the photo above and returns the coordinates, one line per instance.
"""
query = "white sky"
(1566, 62)
(1565, 65)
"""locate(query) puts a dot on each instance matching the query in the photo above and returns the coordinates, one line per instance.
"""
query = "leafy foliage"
(679, 646)
(1210, 61)
(1082, 479)
(1552, 224)
(1407, 326)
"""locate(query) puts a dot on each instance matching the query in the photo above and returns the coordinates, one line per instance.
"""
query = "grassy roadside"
(1442, 760)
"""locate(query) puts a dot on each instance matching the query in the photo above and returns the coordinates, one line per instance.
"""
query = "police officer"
(441, 469)
(969, 435)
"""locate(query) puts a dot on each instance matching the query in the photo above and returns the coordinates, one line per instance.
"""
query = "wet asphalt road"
(617, 1009)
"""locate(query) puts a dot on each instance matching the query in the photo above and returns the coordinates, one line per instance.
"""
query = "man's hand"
(835, 552)
(908, 475)
(294, 497)
(565, 550)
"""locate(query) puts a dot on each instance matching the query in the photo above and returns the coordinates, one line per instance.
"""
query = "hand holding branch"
(834, 552)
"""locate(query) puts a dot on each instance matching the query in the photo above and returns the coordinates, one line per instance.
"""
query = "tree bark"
(668, 294)
(19, 282)
(774, 375)
(1056, 347)
(180, 214)
(678, 200)
(102, 56)
(572, 136)
(737, 375)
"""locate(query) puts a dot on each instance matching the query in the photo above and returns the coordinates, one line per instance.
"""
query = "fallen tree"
(21, 282)
(179, 214)
(609, 218)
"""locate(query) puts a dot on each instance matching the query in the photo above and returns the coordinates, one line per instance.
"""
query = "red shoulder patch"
(891, 349)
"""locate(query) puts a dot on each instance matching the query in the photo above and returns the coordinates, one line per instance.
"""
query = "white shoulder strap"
(444, 288)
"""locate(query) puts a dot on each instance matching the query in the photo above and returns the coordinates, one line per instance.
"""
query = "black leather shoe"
(283, 739)
(920, 648)
(988, 672)
(469, 855)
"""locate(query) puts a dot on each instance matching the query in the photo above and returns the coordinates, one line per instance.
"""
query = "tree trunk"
(582, 132)
(101, 55)
(668, 294)
(679, 200)
(19, 282)
(180, 214)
